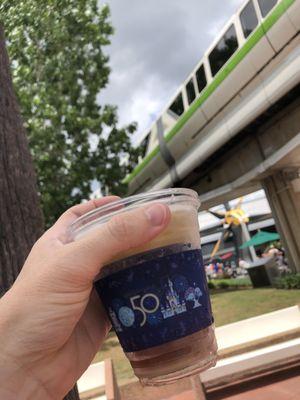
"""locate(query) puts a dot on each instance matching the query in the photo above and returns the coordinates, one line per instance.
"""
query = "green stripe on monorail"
(278, 11)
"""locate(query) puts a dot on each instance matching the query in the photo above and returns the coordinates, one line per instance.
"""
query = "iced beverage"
(156, 295)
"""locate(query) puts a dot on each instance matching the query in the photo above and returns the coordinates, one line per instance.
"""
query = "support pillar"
(283, 193)
(249, 253)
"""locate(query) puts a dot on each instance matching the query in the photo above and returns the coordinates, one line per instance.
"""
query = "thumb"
(123, 232)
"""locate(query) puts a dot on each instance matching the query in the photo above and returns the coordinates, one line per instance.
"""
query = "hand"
(51, 321)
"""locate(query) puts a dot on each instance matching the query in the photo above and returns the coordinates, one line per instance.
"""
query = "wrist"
(16, 381)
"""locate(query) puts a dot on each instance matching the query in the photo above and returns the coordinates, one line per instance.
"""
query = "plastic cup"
(156, 295)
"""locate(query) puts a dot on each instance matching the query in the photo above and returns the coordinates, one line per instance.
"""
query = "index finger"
(58, 230)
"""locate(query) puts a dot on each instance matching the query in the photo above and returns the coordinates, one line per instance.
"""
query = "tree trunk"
(21, 221)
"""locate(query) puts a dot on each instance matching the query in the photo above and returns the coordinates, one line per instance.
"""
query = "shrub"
(291, 281)
(240, 282)
(211, 285)
(223, 285)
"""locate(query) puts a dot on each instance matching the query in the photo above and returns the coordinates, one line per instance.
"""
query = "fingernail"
(156, 214)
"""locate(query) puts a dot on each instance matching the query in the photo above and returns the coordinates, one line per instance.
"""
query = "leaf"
(59, 67)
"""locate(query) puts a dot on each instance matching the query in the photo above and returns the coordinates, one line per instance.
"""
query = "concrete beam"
(238, 169)
(287, 156)
(284, 199)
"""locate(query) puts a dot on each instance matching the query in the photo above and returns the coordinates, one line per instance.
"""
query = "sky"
(156, 45)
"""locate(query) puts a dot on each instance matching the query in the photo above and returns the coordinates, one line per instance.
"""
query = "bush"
(237, 283)
(240, 282)
(291, 281)
(211, 285)
(223, 285)
(231, 283)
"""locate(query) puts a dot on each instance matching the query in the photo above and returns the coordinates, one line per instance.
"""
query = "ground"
(228, 306)
(241, 304)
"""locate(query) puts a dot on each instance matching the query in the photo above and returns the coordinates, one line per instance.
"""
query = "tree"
(21, 220)
(59, 67)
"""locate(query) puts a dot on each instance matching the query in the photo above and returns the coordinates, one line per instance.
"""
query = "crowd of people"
(227, 269)
(218, 268)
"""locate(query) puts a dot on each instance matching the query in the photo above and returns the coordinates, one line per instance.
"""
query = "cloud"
(155, 46)
(236, 3)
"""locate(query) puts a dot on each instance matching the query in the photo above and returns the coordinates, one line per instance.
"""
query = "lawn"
(230, 306)
(236, 305)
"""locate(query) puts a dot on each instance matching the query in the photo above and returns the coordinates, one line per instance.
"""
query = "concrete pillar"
(283, 193)
(249, 251)
(241, 236)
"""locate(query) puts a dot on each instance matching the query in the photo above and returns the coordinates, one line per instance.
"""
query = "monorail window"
(249, 19)
(144, 145)
(201, 78)
(223, 50)
(266, 6)
(190, 91)
(177, 107)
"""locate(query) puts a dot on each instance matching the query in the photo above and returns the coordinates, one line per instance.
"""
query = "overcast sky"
(156, 45)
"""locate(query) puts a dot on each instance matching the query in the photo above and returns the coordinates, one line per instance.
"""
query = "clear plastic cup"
(156, 295)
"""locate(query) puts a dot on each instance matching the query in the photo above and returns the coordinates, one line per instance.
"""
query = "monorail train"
(252, 64)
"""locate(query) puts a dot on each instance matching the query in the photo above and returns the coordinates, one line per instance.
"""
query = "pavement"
(286, 389)
(258, 329)
(283, 385)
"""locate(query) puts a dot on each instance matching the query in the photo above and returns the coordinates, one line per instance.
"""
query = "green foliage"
(223, 285)
(232, 283)
(59, 67)
(211, 285)
(290, 281)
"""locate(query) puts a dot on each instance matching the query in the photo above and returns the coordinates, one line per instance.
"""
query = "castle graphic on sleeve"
(173, 305)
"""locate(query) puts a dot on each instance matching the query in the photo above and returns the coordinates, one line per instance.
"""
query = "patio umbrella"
(260, 238)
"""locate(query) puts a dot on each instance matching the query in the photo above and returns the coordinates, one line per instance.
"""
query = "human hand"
(51, 321)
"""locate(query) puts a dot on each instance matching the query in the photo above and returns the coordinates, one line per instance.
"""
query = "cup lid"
(103, 213)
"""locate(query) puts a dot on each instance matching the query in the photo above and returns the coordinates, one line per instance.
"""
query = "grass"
(228, 307)
(241, 304)
(234, 281)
